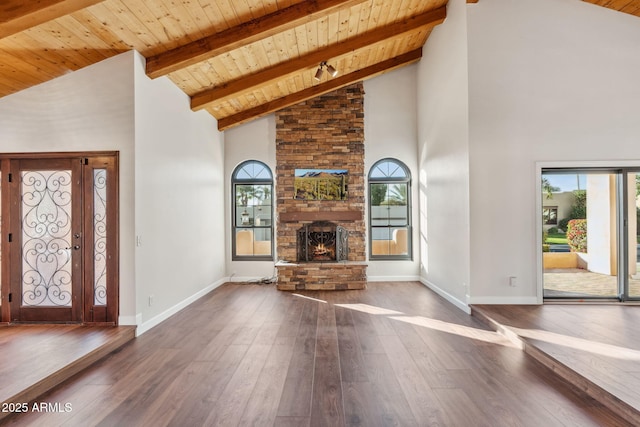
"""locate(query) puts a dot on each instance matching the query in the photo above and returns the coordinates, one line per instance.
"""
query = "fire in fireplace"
(322, 241)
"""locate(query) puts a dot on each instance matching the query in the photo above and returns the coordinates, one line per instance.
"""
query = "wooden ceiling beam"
(243, 34)
(320, 89)
(20, 15)
(249, 83)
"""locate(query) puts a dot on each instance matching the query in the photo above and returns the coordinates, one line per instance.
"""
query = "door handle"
(75, 247)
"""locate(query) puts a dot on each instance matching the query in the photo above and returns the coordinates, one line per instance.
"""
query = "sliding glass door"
(633, 241)
(590, 233)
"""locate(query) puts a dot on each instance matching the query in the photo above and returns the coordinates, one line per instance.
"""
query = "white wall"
(601, 224)
(255, 140)
(549, 80)
(443, 158)
(390, 130)
(171, 174)
(180, 216)
(88, 110)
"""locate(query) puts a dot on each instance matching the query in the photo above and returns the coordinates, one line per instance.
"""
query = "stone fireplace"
(321, 244)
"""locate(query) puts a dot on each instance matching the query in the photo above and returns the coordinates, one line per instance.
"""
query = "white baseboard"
(154, 321)
(501, 300)
(130, 320)
(393, 278)
(446, 295)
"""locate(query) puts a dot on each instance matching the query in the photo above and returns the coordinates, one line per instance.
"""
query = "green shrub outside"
(578, 209)
(562, 224)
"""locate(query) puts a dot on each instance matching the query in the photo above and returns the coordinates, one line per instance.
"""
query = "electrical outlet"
(150, 300)
(513, 281)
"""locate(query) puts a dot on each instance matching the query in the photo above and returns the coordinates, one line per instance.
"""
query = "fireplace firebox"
(321, 242)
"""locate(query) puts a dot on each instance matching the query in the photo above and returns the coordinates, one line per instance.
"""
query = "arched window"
(389, 210)
(252, 189)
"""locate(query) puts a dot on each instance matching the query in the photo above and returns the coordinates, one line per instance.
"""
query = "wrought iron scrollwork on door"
(46, 238)
(100, 236)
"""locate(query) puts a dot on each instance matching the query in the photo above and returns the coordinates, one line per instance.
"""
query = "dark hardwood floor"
(393, 354)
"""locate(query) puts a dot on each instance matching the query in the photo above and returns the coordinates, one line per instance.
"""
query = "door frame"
(623, 166)
(87, 312)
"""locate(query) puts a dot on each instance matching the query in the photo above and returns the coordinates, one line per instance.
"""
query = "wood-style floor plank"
(395, 354)
(390, 405)
(297, 391)
(262, 407)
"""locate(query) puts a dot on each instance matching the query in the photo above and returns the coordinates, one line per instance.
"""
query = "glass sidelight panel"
(100, 237)
(46, 238)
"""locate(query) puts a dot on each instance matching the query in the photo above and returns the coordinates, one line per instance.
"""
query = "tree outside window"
(550, 215)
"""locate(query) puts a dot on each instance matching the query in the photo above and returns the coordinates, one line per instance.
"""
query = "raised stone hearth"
(321, 276)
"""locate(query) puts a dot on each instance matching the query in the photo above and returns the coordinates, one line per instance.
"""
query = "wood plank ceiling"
(237, 59)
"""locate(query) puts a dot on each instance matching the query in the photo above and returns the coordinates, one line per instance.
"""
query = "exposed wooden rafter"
(20, 15)
(235, 59)
(317, 90)
(246, 84)
(243, 34)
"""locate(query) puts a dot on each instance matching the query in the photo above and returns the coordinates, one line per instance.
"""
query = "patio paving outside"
(575, 282)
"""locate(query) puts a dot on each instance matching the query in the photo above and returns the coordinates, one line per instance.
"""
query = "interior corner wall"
(179, 193)
(390, 130)
(443, 158)
(255, 140)
(88, 110)
(549, 81)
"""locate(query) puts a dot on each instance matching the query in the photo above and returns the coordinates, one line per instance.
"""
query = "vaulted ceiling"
(237, 59)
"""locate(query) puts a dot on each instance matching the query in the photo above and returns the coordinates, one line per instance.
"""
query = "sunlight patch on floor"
(463, 331)
(366, 308)
(438, 325)
(310, 298)
(579, 344)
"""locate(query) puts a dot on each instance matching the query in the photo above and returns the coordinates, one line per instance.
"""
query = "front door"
(60, 227)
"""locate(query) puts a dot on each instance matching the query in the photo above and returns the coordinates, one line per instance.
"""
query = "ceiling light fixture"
(330, 69)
